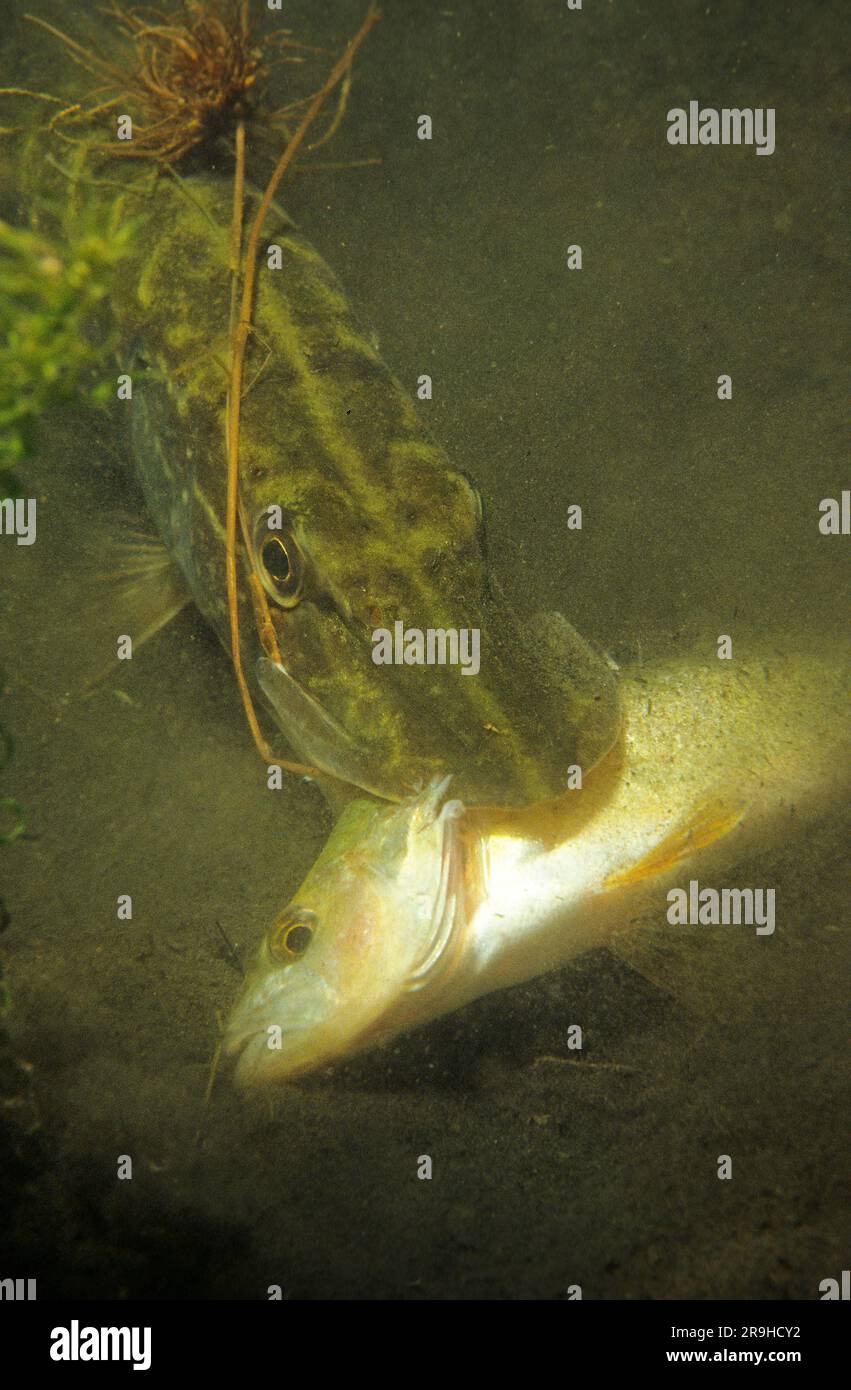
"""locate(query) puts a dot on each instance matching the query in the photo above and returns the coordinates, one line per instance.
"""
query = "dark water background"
(700, 517)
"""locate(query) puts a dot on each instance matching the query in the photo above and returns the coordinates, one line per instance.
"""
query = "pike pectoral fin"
(139, 591)
(709, 823)
(316, 735)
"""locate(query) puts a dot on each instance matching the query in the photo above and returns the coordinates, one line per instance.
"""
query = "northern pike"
(414, 910)
(354, 518)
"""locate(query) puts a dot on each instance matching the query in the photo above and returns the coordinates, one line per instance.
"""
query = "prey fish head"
(379, 919)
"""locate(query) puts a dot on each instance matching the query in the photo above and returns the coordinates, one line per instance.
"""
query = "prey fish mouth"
(298, 1004)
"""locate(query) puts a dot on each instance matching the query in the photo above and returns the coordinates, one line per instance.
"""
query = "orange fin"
(710, 823)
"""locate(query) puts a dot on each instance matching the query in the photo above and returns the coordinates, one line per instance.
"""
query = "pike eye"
(276, 558)
(291, 936)
(281, 568)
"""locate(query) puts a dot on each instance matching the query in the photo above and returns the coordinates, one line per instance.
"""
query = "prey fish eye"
(291, 936)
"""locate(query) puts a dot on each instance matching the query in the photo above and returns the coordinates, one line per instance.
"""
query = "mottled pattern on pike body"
(383, 527)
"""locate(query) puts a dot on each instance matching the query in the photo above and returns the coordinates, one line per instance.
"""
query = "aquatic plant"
(49, 300)
(186, 75)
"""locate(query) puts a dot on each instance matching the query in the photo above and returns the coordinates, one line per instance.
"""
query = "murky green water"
(551, 388)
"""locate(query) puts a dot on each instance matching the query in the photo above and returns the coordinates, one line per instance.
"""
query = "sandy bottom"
(701, 519)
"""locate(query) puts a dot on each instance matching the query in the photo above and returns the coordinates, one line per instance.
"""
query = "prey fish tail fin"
(709, 823)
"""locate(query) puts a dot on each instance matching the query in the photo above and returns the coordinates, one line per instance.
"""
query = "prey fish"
(414, 910)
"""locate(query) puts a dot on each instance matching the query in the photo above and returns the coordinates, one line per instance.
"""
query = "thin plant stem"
(241, 329)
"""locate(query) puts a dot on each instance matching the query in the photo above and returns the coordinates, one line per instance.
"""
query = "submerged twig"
(239, 341)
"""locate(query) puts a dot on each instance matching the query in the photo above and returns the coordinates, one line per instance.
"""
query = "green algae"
(50, 352)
